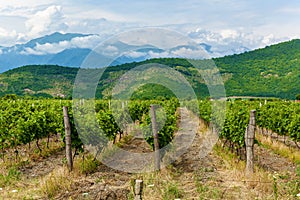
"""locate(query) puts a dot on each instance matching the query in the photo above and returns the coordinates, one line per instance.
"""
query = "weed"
(56, 181)
(275, 187)
(130, 196)
(86, 165)
(298, 171)
(172, 191)
(12, 175)
(206, 191)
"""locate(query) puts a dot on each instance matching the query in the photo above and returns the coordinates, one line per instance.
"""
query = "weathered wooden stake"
(155, 136)
(138, 190)
(249, 140)
(68, 138)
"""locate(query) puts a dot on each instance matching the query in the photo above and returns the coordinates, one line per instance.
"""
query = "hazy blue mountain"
(15, 56)
(69, 57)
(71, 49)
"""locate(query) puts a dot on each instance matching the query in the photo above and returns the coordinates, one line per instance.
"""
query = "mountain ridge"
(273, 71)
(48, 50)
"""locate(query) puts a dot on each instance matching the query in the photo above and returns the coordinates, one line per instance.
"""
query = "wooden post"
(249, 140)
(68, 138)
(155, 136)
(138, 190)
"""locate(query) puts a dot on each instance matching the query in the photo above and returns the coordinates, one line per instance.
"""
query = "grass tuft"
(85, 165)
(55, 182)
(12, 175)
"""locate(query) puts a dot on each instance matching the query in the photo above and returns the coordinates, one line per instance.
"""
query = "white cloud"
(18, 3)
(109, 50)
(51, 48)
(289, 10)
(86, 42)
(98, 13)
(232, 21)
(230, 39)
(135, 54)
(268, 39)
(7, 37)
(228, 33)
(30, 51)
(44, 21)
(19, 11)
(164, 54)
(190, 53)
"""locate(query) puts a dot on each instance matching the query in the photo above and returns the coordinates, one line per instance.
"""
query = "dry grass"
(39, 188)
(279, 148)
(229, 182)
(14, 183)
(257, 185)
(58, 180)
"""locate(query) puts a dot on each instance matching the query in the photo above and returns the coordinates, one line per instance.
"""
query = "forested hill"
(273, 71)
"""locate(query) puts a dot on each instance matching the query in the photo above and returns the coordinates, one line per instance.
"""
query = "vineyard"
(31, 124)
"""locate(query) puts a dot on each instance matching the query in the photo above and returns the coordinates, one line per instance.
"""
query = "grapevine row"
(282, 117)
(23, 121)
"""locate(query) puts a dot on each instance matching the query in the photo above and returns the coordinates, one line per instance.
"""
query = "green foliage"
(236, 122)
(279, 116)
(108, 124)
(23, 121)
(171, 191)
(10, 97)
(152, 91)
(38, 81)
(86, 165)
(166, 118)
(271, 72)
(12, 175)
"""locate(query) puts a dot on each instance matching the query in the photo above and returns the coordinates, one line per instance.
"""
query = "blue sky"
(256, 22)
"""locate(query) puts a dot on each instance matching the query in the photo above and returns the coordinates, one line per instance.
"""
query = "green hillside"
(38, 81)
(273, 71)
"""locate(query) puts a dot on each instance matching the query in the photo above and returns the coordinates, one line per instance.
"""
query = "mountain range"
(273, 71)
(70, 49)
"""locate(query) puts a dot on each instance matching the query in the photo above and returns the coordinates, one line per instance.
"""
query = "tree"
(298, 97)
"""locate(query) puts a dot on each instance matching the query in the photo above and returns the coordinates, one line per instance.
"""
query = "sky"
(254, 23)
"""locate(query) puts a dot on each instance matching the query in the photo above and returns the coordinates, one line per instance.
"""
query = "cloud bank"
(88, 42)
